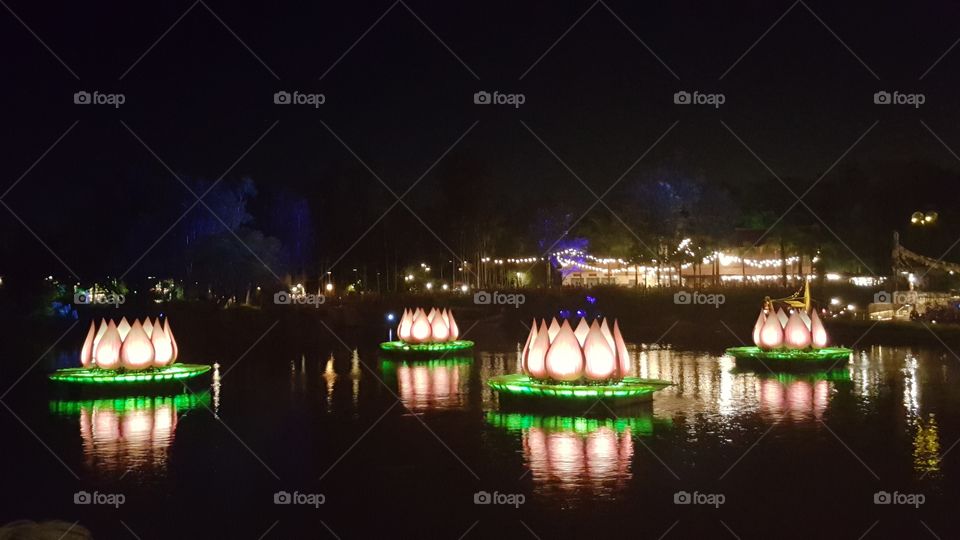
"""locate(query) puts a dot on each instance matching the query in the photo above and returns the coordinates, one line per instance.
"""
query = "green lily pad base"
(105, 379)
(519, 389)
(446, 346)
(791, 359)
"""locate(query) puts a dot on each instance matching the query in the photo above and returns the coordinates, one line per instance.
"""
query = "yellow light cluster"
(729, 260)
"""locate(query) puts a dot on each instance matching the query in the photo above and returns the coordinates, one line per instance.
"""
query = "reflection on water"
(128, 433)
(429, 384)
(798, 398)
(713, 388)
(926, 446)
(903, 393)
(565, 453)
(330, 377)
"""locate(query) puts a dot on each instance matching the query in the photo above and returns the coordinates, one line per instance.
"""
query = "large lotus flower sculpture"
(438, 326)
(560, 353)
(134, 347)
(799, 330)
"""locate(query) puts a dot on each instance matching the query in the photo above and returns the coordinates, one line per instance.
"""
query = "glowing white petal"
(536, 357)
(137, 351)
(759, 326)
(162, 347)
(108, 350)
(600, 361)
(439, 329)
(771, 335)
(454, 329)
(420, 331)
(795, 334)
(403, 330)
(782, 317)
(531, 337)
(565, 357)
(123, 328)
(605, 330)
(817, 331)
(173, 340)
(582, 330)
(100, 332)
(623, 357)
(553, 330)
(806, 319)
(148, 327)
(86, 352)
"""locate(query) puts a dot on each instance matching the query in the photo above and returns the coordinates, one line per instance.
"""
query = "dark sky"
(399, 98)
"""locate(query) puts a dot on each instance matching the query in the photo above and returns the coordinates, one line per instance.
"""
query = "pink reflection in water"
(119, 441)
(598, 462)
(427, 387)
(801, 400)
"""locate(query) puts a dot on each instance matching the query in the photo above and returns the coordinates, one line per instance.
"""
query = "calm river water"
(400, 450)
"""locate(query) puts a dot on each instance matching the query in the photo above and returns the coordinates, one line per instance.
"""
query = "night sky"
(401, 96)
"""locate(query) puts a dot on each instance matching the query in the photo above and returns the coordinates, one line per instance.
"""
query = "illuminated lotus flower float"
(794, 340)
(419, 331)
(579, 367)
(129, 353)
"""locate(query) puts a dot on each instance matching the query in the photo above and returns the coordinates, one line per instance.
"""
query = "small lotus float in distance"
(419, 331)
(794, 340)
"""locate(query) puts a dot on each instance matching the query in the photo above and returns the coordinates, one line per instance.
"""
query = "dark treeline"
(250, 231)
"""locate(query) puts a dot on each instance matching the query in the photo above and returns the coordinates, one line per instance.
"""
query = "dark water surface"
(792, 457)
